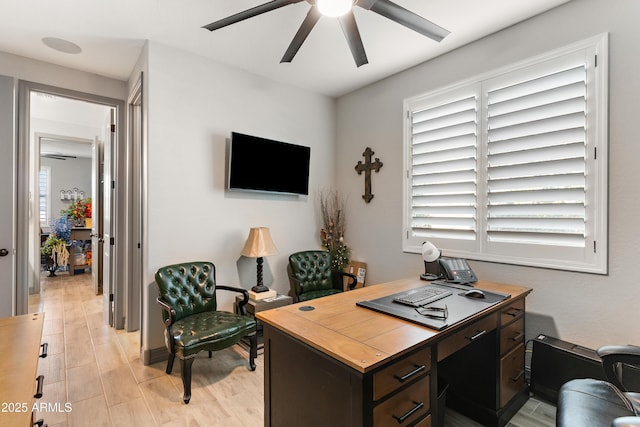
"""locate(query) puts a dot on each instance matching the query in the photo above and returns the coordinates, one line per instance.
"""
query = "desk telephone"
(452, 269)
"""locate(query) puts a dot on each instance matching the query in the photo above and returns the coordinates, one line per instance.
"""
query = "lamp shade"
(429, 252)
(259, 243)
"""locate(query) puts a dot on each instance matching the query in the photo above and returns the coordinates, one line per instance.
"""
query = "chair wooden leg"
(170, 363)
(185, 367)
(253, 351)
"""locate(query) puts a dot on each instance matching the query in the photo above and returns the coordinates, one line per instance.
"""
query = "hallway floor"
(97, 371)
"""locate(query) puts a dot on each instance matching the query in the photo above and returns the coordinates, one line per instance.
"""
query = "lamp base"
(259, 296)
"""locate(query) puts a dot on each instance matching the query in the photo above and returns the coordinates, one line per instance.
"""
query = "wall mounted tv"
(260, 164)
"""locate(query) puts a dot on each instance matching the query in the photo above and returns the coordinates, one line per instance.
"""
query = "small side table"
(254, 307)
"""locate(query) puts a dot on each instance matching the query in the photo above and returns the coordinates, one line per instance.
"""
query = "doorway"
(63, 125)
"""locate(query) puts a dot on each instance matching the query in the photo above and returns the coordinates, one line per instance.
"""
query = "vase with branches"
(332, 206)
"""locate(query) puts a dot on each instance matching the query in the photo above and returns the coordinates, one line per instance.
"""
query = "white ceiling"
(112, 34)
(69, 115)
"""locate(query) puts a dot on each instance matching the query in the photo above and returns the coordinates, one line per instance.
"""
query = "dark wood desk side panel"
(300, 381)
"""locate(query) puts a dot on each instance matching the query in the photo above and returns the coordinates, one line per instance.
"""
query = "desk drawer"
(405, 407)
(511, 335)
(512, 311)
(401, 372)
(464, 337)
(511, 374)
(426, 422)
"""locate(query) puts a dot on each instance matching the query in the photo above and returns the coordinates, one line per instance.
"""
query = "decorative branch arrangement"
(332, 206)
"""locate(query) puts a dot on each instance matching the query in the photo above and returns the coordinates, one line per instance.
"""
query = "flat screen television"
(265, 165)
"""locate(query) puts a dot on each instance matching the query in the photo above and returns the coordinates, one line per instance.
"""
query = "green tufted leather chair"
(192, 321)
(310, 276)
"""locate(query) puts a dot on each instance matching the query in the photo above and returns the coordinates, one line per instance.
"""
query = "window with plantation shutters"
(536, 160)
(443, 163)
(44, 194)
(512, 167)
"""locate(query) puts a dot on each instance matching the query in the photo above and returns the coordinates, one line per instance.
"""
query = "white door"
(107, 223)
(96, 207)
(7, 195)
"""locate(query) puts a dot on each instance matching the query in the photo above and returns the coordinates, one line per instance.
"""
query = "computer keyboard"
(422, 296)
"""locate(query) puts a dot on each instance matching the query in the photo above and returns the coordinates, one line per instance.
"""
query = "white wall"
(193, 106)
(590, 310)
(32, 70)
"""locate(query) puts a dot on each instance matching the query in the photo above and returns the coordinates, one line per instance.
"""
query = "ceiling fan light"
(334, 8)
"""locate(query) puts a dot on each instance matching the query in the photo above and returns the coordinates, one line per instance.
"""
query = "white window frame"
(592, 256)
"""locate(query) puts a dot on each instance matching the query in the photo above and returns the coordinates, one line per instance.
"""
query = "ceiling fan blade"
(307, 25)
(405, 17)
(57, 156)
(350, 29)
(249, 13)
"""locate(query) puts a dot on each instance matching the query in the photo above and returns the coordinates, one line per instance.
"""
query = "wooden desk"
(344, 365)
(18, 367)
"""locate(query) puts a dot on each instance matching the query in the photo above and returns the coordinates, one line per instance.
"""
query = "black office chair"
(594, 403)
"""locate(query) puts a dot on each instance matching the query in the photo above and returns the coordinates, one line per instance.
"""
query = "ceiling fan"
(343, 10)
(57, 156)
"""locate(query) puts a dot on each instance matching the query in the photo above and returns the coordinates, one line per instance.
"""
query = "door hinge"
(112, 241)
(110, 297)
(113, 185)
(113, 127)
(594, 247)
(596, 61)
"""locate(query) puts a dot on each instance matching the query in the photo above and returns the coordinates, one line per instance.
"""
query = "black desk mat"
(458, 305)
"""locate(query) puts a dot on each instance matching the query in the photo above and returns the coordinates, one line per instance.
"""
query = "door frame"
(23, 191)
(137, 185)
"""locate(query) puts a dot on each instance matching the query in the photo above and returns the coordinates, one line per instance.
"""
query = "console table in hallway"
(343, 365)
(80, 234)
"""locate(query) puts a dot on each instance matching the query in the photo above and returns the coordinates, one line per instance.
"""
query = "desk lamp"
(430, 255)
(259, 245)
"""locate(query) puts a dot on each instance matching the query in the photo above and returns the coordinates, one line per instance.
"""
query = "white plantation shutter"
(512, 167)
(536, 160)
(43, 194)
(443, 161)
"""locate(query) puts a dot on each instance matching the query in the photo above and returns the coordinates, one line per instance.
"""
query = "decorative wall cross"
(367, 167)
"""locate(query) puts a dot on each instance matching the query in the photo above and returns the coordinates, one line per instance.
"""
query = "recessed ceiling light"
(61, 45)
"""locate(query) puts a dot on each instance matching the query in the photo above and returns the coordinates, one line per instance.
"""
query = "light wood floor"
(96, 372)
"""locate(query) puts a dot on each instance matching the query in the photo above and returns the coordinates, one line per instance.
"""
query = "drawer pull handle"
(419, 368)
(514, 312)
(400, 419)
(518, 337)
(477, 335)
(45, 347)
(517, 377)
(40, 381)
